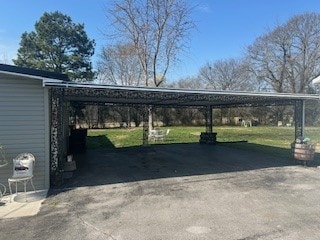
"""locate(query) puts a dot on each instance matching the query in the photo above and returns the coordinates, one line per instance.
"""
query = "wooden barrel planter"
(303, 152)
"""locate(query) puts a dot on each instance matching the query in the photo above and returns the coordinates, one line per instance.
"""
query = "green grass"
(273, 140)
(115, 138)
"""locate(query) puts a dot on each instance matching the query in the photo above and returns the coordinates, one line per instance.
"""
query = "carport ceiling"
(108, 94)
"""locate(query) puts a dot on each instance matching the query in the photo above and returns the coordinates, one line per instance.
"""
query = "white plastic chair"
(162, 135)
(23, 166)
(152, 134)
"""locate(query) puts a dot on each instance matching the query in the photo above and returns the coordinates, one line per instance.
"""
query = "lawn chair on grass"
(152, 135)
(162, 135)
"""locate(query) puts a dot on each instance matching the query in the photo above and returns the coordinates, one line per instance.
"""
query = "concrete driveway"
(185, 191)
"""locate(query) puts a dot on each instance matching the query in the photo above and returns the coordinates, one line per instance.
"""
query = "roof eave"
(187, 91)
(32, 73)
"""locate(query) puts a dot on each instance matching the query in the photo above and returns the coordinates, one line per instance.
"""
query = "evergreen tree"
(58, 45)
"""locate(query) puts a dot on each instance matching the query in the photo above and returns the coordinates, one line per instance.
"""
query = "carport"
(64, 92)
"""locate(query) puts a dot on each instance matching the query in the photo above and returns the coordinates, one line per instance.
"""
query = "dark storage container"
(77, 141)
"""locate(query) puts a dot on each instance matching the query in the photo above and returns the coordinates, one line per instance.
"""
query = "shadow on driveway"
(108, 166)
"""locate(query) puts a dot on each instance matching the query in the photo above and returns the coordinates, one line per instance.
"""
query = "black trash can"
(77, 141)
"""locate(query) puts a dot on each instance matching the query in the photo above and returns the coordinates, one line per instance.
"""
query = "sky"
(224, 28)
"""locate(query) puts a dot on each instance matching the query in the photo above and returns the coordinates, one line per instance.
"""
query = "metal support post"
(145, 126)
(209, 109)
(208, 118)
(299, 117)
(56, 131)
(208, 136)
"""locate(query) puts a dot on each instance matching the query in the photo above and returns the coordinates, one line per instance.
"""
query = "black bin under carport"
(77, 141)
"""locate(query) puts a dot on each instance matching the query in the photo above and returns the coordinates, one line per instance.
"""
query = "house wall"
(24, 125)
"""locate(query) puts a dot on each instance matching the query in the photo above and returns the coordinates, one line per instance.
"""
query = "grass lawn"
(272, 140)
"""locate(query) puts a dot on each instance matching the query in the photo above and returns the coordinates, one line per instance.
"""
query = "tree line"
(147, 37)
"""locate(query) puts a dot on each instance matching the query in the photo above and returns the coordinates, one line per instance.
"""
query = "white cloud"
(204, 8)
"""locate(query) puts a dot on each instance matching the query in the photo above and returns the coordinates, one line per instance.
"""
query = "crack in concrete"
(86, 223)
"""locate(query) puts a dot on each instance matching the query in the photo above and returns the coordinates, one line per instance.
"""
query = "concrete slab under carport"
(183, 191)
(118, 165)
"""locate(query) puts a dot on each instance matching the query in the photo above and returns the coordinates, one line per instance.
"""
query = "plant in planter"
(303, 149)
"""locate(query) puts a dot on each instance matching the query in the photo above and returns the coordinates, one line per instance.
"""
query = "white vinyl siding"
(23, 123)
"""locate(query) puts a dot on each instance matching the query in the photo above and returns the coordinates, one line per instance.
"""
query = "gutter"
(63, 84)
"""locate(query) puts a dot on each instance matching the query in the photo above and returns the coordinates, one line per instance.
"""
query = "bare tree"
(4, 58)
(156, 28)
(304, 60)
(269, 57)
(229, 74)
(187, 83)
(288, 58)
(119, 65)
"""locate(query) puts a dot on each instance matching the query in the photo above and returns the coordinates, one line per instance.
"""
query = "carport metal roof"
(106, 94)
